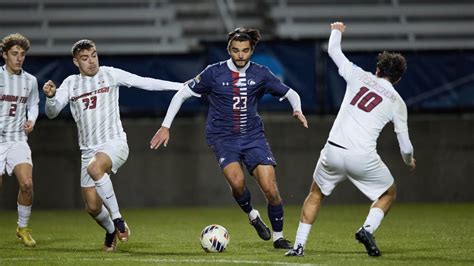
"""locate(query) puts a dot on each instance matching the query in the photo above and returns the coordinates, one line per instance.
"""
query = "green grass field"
(420, 234)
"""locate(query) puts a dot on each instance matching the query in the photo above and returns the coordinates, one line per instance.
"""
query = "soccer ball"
(214, 238)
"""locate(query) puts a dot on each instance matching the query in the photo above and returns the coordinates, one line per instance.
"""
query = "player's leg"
(265, 176)
(372, 178)
(236, 179)
(309, 213)
(96, 209)
(328, 173)
(24, 175)
(98, 169)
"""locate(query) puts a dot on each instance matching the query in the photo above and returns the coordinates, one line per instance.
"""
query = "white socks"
(103, 219)
(106, 192)
(373, 220)
(253, 214)
(302, 234)
(277, 235)
(24, 213)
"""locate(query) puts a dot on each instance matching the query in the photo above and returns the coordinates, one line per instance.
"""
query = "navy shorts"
(249, 151)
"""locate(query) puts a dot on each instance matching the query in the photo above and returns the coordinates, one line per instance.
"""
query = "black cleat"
(110, 242)
(298, 252)
(368, 240)
(262, 229)
(123, 231)
(282, 243)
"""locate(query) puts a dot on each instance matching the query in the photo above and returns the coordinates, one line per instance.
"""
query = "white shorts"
(12, 154)
(116, 149)
(365, 170)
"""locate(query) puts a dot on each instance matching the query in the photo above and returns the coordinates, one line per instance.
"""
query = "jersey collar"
(233, 68)
(4, 68)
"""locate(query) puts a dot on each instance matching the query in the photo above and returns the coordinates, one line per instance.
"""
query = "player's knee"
(26, 186)
(93, 210)
(272, 196)
(236, 184)
(95, 171)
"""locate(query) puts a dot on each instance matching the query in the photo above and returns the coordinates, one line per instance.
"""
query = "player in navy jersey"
(234, 130)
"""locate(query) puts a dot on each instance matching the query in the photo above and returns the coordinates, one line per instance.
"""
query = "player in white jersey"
(370, 102)
(18, 113)
(93, 97)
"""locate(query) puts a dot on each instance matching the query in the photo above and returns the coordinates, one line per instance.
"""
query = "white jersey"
(94, 102)
(369, 104)
(18, 102)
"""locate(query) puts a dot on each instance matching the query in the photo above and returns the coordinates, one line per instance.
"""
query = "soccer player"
(93, 97)
(234, 129)
(370, 102)
(19, 110)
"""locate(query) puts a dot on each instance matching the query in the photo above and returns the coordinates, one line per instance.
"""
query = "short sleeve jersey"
(94, 103)
(233, 96)
(16, 92)
(369, 104)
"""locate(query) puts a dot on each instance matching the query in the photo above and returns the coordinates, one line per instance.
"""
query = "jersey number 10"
(368, 102)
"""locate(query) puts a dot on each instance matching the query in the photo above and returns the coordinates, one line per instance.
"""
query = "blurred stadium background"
(175, 40)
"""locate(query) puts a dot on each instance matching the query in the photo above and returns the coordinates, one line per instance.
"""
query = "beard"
(240, 63)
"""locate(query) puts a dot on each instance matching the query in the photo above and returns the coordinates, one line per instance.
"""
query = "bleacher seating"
(180, 26)
(124, 26)
(375, 25)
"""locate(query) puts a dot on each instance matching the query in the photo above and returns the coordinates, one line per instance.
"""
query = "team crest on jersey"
(250, 82)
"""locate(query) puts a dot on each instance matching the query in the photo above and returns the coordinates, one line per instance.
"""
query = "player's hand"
(412, 165)
(49, 89)
(338, 26)
(161, 137)
(28, 127)
(300, 116)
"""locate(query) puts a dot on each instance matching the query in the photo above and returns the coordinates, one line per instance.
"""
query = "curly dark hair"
(81, 45)
(391, 66)
(15, 39)
(244, 34)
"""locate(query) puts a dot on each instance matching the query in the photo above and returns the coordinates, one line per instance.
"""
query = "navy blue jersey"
(233, 95)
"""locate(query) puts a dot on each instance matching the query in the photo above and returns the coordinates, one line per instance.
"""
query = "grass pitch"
(412, 234)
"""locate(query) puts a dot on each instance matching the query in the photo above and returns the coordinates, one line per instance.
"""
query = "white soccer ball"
(214, 238)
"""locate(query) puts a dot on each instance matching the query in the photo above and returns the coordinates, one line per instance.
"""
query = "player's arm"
(401, 128)
(151, 84)
(56, 99)
(32, 109)
(334, 45)
(295, 101)
(274, 86)
(162, 135)
(406, 149)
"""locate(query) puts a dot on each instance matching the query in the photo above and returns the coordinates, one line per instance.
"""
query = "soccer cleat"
(24, 234)
(282, 243)
(298, 252)
(368, 240)
(262, 229)
(122, 229)
(110, 242)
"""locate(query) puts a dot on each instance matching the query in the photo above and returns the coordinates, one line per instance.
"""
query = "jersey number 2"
(12, 109)
(368, 102)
